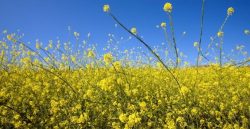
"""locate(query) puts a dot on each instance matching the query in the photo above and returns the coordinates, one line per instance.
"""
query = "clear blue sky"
(47, 19)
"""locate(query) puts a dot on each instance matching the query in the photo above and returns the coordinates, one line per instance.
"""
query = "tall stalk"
(174, 40)
(201, 32)
(221, 40)
(220, 49)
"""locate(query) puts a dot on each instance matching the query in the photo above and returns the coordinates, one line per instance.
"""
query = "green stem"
(174, 40)
(201, 32)
(220, 58)
(167, 39)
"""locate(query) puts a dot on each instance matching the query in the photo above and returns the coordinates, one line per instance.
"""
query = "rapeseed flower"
(167, 7)
(133, 30)
(163, 25)
(38, 46)
(106, 8)
(123, 118)
(76, 34)
(83, 118)
(107, 58)
(230, 11)
(9, 37)
(91, 54)
(196, 44)
(246, 32)
(143, 105)
(184, 90)
(194, 111)
(220, 34)
(117, 65)
(133, 119)
(116, 125)
(170, 124)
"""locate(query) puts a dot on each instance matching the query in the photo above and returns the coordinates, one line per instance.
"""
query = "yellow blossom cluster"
(124, 97)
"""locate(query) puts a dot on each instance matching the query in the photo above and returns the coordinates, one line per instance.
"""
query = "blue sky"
(47, 19)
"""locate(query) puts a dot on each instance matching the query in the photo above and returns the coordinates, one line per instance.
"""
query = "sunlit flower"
(196, 44)
(107, 58)
(91, 54)
(168, 7)
(123, 118)
(230, 11)
(194, 111)
(163, 25)
(83, 117)
(73, 59)
(184, 90)
(220, 34)
(246, 32)
(9, 37)
(106, 8)
(143, 105)
(76, 34)
(117, 65)
(116, 125)
(133, 119)
(133, 30)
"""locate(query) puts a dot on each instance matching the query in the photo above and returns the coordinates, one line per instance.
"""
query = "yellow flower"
(230, 11)
(9, 37)
(202, 121)
(107, 58)
(159, 65)
(170, 124)
(117, 65)
(163, 24)
(195, 44)
(194, 111)
(56, 127)
(106, 8)
(83, 118)
(91, 54)
(181, 122)
(76, 34)
(16, 116)
(73, 59)
(184, 90)
(89, 93)
(150, 123)
(123, 118)
(220, 34)
(106, 84)
(38, 46)
(115, 125)
(74, 119)
(133, 119)
(133, 30)
(78, 106)
(143, 105)
(246, 32)
(50, 45)
(168, 7)
(17, 124)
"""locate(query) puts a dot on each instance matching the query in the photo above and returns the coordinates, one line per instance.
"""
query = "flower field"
(125, 98)
(64, 85)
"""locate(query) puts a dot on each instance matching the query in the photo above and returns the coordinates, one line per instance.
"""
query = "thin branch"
(174, 40)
